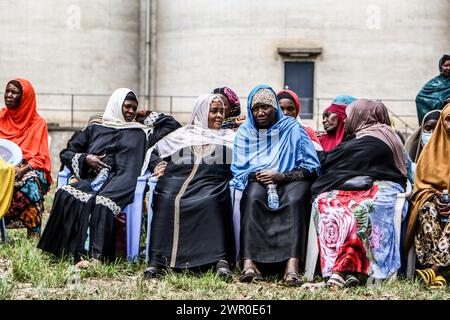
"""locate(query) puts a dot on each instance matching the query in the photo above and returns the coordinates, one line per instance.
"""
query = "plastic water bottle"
(272, 196)
(100, 179)
(445, 198)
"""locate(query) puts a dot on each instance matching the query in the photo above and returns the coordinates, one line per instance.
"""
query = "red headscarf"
(25, 127)
(328, 141)
(283, 94)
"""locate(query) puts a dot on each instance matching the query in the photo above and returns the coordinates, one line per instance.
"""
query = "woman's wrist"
(279, 178)
(159, 165)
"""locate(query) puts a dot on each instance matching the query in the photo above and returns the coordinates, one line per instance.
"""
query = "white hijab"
(113, 116)
(196, 133)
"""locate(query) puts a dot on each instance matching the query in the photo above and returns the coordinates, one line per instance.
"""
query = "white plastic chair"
(312, 252)
(133, 212)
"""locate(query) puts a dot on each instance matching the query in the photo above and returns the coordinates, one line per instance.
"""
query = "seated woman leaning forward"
(233, 116)
(428, 225)
(419, 138)
(81, 219)
(272, 150)
(21, 124)
(192, 222)
(333, 124)
(355, 219)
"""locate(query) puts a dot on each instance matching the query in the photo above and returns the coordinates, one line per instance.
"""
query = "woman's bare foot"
(84, 264)
(291, 273)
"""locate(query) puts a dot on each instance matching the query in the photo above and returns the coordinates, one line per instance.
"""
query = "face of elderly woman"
(264, 115)
(330, 122)
(13, 97)
(129, 110)
(216, 115)
(288, 107)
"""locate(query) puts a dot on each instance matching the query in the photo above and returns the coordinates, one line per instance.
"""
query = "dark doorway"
(299, 77)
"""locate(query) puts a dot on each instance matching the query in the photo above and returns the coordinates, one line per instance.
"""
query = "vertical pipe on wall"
(147, 53)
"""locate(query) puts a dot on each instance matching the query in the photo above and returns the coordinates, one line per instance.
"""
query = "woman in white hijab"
(192, 213)
(81, 222)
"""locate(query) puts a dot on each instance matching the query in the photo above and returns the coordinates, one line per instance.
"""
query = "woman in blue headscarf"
(272, 149)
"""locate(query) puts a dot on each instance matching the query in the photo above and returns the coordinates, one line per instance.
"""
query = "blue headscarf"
(343, 100)
(283, 147)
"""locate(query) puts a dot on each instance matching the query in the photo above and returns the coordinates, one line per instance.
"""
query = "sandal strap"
(440, 279)
(245, 271)
(431, 274)
(293, 273)
(427, 275)
(337, 280)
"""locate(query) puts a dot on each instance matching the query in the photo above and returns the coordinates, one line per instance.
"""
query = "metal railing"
(74, 109)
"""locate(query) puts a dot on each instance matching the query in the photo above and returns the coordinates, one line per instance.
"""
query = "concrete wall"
(59, 139)
(70, 46)
(375, 49)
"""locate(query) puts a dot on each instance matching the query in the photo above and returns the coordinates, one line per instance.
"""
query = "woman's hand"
(319, 133)
(95, 162)
(160, 169)
(240, 119)
(142, 115)
(442, 208)
(21, 172)
(267, 177)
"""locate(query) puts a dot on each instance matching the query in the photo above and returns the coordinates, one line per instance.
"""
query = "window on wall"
(299, 77)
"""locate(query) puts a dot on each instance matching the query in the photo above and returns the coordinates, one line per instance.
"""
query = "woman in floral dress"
(355, 224)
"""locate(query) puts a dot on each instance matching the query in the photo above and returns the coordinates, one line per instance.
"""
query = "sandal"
(351, 281)
(223, 270)
(428, 276)
(292, 279)
(250, 276)
(438, 283)
(336, 281)
(152, 272)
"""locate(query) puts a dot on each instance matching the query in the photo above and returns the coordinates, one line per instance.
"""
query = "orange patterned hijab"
(25, 127)
(432, 172)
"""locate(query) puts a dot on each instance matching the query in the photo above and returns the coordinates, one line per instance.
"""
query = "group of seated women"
(346, 179)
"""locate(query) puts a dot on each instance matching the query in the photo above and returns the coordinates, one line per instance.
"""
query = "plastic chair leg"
(236, 200)
(152, 185)
(3, 230)
(133, 223)
(411, 264)
(312, 251)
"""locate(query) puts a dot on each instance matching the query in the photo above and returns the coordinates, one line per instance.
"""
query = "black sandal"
(223, 270)
(152, 272)
(292, 279)
(250, 276)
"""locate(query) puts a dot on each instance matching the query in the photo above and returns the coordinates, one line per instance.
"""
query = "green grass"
(27, 273)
